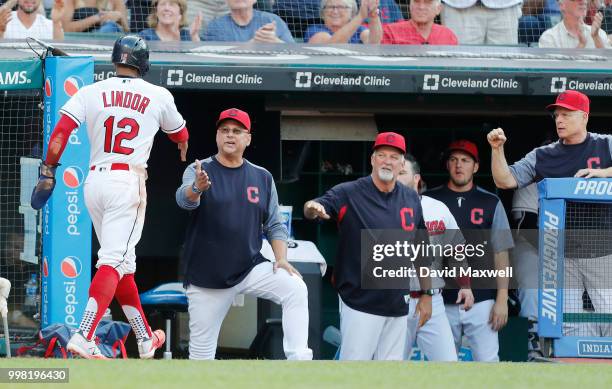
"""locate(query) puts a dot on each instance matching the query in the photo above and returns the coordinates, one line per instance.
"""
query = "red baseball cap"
(237, 115)
(464, 145)
(390, 139)
(572, 100)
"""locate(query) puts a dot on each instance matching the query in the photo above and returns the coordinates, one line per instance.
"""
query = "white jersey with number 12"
(122, 116)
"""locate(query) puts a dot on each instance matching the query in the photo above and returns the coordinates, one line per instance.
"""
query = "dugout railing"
(575, 268)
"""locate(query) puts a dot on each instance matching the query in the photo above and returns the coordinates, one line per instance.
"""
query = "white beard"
(385, 175)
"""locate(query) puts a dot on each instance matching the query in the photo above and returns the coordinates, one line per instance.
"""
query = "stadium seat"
(167, 299)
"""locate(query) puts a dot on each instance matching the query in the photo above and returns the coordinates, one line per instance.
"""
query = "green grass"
(321, 374)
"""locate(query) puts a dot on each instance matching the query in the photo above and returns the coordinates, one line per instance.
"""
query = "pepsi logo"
(71, 267)
(45, 267)
(73, 177)
(72, 85)
(48, 87)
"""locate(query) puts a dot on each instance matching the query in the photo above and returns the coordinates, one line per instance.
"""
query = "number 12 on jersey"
(129, 131)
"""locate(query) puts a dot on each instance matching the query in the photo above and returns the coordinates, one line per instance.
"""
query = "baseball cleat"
(147, 347)
(84, 348)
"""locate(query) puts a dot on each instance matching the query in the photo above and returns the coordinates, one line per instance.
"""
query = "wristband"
(195, 189)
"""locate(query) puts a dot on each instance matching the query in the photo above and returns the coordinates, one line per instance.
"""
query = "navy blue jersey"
(558, 160)
(224, 237)
(481, 217)
(359, 205)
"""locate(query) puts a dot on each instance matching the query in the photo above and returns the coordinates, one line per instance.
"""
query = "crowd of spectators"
(543, 23)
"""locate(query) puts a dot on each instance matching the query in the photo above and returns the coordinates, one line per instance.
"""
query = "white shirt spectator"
(493, 4)
(41, 29)
(558, 37)
(484, 22)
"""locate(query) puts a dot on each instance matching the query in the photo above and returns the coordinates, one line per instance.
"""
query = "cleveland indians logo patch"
(253, 194)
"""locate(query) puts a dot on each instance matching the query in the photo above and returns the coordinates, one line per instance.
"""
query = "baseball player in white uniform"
(122, 114)
(434, 338)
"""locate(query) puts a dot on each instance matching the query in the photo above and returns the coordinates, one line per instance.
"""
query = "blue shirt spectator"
(538, 16)
(259, 28)
(314, 28)
(343, 23)
(149, 34)
(168, 22)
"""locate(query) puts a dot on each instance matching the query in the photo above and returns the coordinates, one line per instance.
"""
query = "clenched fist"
(496, 138)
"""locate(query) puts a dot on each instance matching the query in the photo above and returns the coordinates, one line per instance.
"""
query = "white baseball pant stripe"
(435, 338)
(208, 307)
(116, 201)
(474, 323)
(368, 337)
(592, 274)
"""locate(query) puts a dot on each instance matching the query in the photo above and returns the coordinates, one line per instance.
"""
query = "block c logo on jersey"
(72, 85)
(253, 194)
(477, 215)
(407, 215)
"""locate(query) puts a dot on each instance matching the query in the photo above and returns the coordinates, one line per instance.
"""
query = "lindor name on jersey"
(125, 99)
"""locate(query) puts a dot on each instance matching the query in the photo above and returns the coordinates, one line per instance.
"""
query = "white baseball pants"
(435, 338)
(208, 307)
(116, 201)
(370, 337)
(474, 323)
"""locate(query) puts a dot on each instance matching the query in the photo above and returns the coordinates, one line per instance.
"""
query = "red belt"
(417, 294)
(115, 166)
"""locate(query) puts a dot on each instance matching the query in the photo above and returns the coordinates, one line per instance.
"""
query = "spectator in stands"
(28, 22)
(343, 23)
(420, 29)
(247, 24)
(572, 31)
(538, 16)
(478, 22)
(209, 9)
(167, 21)
(108, 16)
(299, 14)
